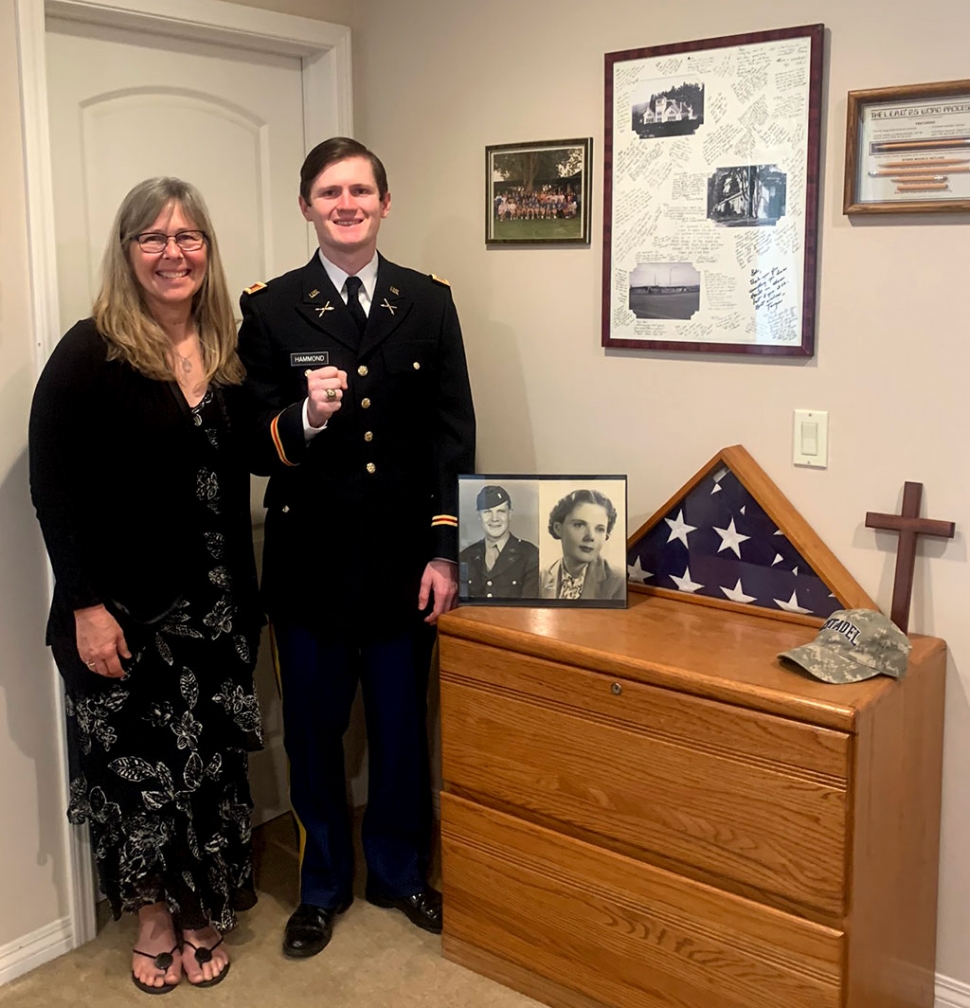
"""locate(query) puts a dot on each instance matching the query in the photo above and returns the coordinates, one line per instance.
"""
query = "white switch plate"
(810, 441)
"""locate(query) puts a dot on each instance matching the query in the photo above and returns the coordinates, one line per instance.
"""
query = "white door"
(126, 105)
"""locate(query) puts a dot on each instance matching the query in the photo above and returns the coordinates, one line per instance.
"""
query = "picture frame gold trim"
(537, 221)
(910, 147)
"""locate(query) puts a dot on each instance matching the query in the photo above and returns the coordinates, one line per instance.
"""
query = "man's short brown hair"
(339, 149)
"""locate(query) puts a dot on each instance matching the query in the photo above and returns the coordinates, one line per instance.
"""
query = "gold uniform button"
(362, 370)
(368, 435)
(371, 468)
(285, 509)
(365, 403)
(416, 365)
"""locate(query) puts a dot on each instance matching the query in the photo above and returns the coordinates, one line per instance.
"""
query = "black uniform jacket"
(515, 574)
(114, 489)
(355, 513)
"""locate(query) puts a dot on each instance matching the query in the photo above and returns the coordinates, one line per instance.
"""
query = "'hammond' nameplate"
(319, 358)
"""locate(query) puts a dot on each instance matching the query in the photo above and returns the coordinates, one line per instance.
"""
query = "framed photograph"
(711, 194)
(542, 540)
(907, 149)
(537, 193)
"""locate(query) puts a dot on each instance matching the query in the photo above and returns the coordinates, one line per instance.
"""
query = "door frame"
(324, 51)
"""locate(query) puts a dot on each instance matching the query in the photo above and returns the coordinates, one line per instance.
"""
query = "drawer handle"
(616, 689)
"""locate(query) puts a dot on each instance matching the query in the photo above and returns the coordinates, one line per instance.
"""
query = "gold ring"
(331, 393)
(91, 664)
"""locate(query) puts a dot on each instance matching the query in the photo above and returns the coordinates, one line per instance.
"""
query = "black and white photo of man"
(500, 565)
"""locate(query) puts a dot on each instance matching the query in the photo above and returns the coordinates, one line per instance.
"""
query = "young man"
(500, 565)
(364, 420)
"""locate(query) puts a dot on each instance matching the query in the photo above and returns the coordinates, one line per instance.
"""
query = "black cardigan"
(112, 479)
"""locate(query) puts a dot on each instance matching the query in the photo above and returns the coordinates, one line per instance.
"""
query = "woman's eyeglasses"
(154, 242)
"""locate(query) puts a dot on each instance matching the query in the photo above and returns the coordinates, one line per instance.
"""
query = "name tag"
(319, 358)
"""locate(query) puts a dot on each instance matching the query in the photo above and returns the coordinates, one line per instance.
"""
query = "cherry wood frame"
(806, 347)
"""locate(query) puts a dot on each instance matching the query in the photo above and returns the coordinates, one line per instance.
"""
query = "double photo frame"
(542, 540)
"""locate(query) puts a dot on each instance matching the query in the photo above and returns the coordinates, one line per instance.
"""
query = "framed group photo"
(542, 540)
(711, 194)
(907, 149)
(538, 193)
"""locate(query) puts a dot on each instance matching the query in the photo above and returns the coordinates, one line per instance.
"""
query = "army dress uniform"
(354, 514)
(515, 573)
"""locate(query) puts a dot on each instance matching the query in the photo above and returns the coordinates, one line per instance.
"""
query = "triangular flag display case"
(730, 538)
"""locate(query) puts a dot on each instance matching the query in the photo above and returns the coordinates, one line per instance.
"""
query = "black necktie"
(353, 287)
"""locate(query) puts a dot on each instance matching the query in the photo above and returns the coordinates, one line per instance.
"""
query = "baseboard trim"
(951, 993)
(26, 953)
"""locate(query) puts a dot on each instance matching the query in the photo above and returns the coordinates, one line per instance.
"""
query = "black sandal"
(202, 956)
(163, 960)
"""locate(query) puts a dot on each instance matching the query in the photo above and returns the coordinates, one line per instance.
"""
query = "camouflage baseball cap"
(854, 644)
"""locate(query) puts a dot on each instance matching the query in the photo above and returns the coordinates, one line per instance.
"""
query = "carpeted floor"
(376, 959)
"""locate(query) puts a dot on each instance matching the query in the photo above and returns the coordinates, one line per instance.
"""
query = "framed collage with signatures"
(711, 194)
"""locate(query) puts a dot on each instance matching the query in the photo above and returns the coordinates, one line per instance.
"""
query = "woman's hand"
(100, 641)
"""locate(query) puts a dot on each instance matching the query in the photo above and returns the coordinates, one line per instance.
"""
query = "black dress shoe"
(309, 929)
(422, 908)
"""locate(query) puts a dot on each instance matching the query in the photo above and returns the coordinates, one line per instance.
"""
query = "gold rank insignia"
(441, 280)
(253, 288)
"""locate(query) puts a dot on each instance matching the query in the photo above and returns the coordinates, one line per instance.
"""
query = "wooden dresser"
(642, 808)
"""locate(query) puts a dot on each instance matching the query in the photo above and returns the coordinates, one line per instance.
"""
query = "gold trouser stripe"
(279, 685)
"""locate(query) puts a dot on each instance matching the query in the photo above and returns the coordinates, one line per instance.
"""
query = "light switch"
(810, 437)
(810, 441)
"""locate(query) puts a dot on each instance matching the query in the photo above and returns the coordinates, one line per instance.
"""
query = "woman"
(143, 498)
(582, 521)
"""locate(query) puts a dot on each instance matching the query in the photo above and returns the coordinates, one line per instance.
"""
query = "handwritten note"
(720, 291)
(768, 287)
(688, 187)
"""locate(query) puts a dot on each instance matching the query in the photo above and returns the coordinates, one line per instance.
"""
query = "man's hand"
(324, 389)
(100, 641)
(440, 584)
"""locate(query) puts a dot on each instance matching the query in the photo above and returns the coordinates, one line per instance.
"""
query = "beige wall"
(436, 81)
(434, 87)
(32, 887)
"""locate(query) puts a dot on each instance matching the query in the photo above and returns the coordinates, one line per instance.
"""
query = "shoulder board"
(253, 288)
(441, 280)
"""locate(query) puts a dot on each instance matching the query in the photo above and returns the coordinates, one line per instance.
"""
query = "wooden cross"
(909, 525)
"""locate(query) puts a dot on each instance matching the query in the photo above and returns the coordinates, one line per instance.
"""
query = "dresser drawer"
(618, 931)
(726, 793)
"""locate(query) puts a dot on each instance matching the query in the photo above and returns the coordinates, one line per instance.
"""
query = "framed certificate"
(907, 149)
(711, 194)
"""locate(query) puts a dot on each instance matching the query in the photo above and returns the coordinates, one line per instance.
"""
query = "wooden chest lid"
(714, 653)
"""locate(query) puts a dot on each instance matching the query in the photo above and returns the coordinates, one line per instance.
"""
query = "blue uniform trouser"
(318, 678)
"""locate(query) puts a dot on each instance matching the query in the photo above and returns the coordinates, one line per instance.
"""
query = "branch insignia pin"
(322, 311)
(392, 308)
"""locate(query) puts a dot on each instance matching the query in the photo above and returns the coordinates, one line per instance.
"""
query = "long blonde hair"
(121, 312)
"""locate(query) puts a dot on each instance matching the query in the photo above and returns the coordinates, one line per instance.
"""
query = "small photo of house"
(668, 108)
(747, 196)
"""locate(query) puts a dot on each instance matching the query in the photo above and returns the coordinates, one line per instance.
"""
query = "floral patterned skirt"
(159, 768)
